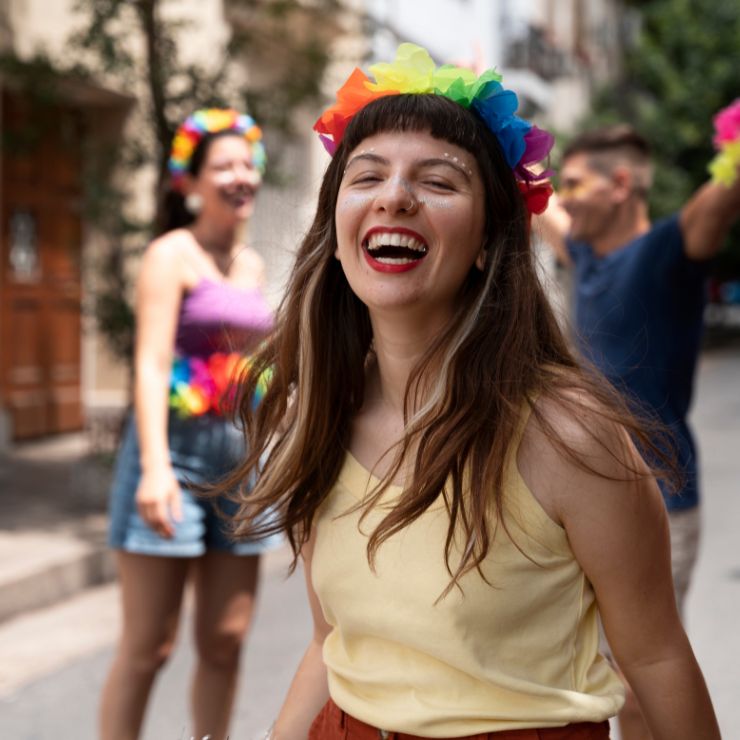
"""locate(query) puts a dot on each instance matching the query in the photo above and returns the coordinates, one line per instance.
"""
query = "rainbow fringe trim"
(208, 385)
(725, 165)
(414, 71)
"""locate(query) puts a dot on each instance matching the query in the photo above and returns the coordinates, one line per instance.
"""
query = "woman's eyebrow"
(460, 167)
(367, 156)
(435, 161)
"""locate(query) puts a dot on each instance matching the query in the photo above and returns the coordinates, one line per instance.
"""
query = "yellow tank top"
(521, 652)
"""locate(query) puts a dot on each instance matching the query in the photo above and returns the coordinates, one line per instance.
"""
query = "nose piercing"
(406, 187)
(412, 204)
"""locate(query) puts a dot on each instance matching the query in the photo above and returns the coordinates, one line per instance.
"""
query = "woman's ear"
(193, 199)
(188, 184)
(480, 260)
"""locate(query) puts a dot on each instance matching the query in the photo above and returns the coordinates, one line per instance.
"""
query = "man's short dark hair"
(620, 136)
(610, 146)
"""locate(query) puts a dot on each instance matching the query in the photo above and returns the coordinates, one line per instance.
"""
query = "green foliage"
(682, 68)
(100, 41)
(105, 207)
(39, 77)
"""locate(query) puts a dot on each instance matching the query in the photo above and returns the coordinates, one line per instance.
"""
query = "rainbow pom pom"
(200, 386)
(725, 165)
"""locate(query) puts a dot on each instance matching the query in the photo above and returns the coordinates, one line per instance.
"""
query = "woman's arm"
(707, 217)
(552, 227)
(309, 690)
(158, 294)
(618, 531)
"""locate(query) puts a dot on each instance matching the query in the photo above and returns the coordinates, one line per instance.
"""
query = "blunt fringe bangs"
(440, 116)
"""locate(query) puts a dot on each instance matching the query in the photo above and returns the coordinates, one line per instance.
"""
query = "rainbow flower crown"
(724, 167)
(211, 121)
(414, 71)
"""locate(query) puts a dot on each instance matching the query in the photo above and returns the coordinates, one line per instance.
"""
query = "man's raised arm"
(708, 215)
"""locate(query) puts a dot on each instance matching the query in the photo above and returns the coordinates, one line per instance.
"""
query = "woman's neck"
(628, 222)
(399, 345)
(217, 239)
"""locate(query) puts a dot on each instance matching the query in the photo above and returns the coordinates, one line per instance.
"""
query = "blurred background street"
(90, 96)
(53, 660)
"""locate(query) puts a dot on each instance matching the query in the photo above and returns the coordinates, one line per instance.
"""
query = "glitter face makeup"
(356, 200)
(459, 162)
(227, 177)
(409, 221)
(359, 154)
(438, 203)
(405, 185)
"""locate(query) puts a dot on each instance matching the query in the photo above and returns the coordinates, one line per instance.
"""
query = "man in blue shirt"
(639, 301)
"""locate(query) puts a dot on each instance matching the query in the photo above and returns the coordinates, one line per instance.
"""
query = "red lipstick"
(383, 265)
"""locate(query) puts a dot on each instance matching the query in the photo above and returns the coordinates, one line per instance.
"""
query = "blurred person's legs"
(224, 570)
(225, 589)
(685, 528)
(151, 594)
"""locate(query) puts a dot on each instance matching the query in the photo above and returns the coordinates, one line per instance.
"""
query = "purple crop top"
(219, 317)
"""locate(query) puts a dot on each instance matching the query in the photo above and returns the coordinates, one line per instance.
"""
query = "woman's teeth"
(395, 249)
(395, 240)
(237, 199)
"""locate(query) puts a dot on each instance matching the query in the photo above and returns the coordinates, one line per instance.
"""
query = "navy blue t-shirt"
(638, 317)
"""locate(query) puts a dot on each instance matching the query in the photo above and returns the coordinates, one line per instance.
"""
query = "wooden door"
(40, 276)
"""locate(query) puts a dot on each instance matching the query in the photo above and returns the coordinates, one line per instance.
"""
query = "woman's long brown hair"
(465, 398)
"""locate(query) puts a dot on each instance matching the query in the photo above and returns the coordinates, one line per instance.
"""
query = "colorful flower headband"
(414, 71)
(724, 167)
(211, 121)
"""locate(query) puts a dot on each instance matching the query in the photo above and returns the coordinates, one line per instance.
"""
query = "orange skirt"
(334, 724)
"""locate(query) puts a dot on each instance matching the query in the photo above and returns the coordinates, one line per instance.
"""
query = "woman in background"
(199, 307)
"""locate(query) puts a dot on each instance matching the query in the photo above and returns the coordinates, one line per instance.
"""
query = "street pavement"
(53, 659)
(71, 646)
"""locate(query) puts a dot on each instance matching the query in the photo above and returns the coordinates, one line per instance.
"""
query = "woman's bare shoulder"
(576, 417)
(171, 256)
(168, 249)
(572, 441)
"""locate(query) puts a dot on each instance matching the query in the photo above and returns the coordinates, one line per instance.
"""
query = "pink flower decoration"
(727, 124)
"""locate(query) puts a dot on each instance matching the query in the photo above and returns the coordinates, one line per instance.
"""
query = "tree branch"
(155, 79)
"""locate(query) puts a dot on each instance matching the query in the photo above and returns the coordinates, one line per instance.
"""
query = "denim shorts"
(202, 450)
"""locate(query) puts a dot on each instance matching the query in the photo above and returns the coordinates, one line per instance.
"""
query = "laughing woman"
(200, 304)
(466, 500)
